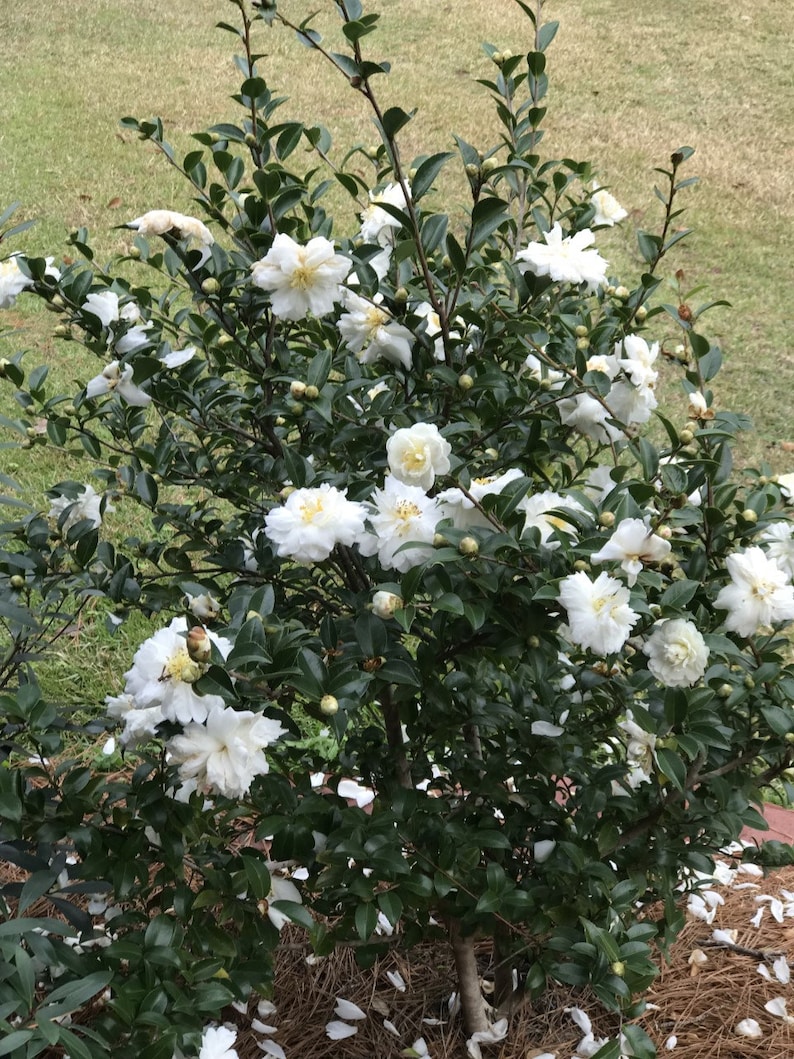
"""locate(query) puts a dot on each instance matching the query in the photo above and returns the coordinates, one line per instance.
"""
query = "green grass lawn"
(629, 84)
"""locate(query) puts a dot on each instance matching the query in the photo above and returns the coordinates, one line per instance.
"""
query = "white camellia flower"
(140, 725)
(589, 416)
(205, 607)
(217, 1042)
(779, 540)
(163, 674)
(786, 484)
(631, 404)
(633, 543)
(13, 280)
(636, 358)
(402, 513)
(115, 379)
(378, 225)
(312, 522)
(104, 305)
(599, 615)
(608, 209)
(301, 279)
(640, 750)
(86, 505)
(372, 334)
(539, 514)
(168, 222)
(133, 339)
(418, 454)
(462, 509)
(677, 653)
(281, 889)
(759, 594)
(541, 372)
(225, 754)
(565, 259)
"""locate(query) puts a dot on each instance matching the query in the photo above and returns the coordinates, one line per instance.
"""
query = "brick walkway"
(781, 826)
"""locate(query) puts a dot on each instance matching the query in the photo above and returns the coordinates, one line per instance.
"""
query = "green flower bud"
(641, 314)
(17, 581)
(748, 515)
(581, 331)
(312, 393)
(329, 705)
(606, 519)
(468, 546)
(465, 382)
(297, 388)
(210, 285)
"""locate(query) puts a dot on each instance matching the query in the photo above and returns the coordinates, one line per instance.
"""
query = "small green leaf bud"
(582, 343)
(725, 691)
(468, 546)
(26, 444)
(69, 410)
(312, 393)
(465, 382)
(685, 436)
(31, 432)
(250, 139)
(329, 705)
(533, 642)
(748, 515)
(401, 295)
(372, 151)
(489, 165)
(472, 170)
(296, 408)
(749, 683)
(606, 519)
(210, 285)
(17, 581)
(297, 388)
(446, 261)
(619, 968)
(581, 331)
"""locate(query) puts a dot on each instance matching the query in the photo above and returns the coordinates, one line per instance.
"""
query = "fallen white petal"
(272, 1048)
(763, 970)
(748, 1028)
(391, 1028)
(262, 1027)
(345, 1009)
(782, 970)
(581, 1019)
(396, 980)
(756, 919)
(777, 1007)
(337, 1031)
(725, 937)
(671, 1042)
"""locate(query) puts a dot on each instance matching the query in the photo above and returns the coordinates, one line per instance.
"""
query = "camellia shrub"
(455, 634)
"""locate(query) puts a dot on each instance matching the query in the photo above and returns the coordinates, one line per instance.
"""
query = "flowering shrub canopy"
(443, 631)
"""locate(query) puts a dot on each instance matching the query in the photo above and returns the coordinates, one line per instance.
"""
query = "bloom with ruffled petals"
(217, 1043)
(177, 225)
(86, 505)
(540, 513)
(301, 279)
(312, 522)
(418, 454)
(778, 538)
(225, 754)
(608, 209)
(463, 510)
(565, 259)
(402, 514)
(163, 674)
(633, 543)
(378, 225)
(677, 653)
(599, 615)
(760, 593)
(372, 334)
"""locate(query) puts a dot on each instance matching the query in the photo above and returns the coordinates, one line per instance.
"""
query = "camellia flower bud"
(465, 382)
(199, 647)
(685, 436)
(748, 515)
(468, 546)
(641, 314)
(210, 285)
(606, 519)
(297, 388)
(17, 581)
(384, 604)
(489, 165)
(622, 293)
(581, 331)
(312, 393)
(582, 343)
(329, 705)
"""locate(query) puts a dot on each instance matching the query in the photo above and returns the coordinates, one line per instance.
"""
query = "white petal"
(782, 970)
(109, 747)
(748, 1028)
(581, 1019)
(345, 1009)
(763, 970)
(725, 937)
(272, 1048)
(756, 919)
(396, 980)
(337, 1031)
(391, 1028)
(777, 1007)
(671, 1042)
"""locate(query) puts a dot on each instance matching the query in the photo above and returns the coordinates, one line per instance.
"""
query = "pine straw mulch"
(701, 1011)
